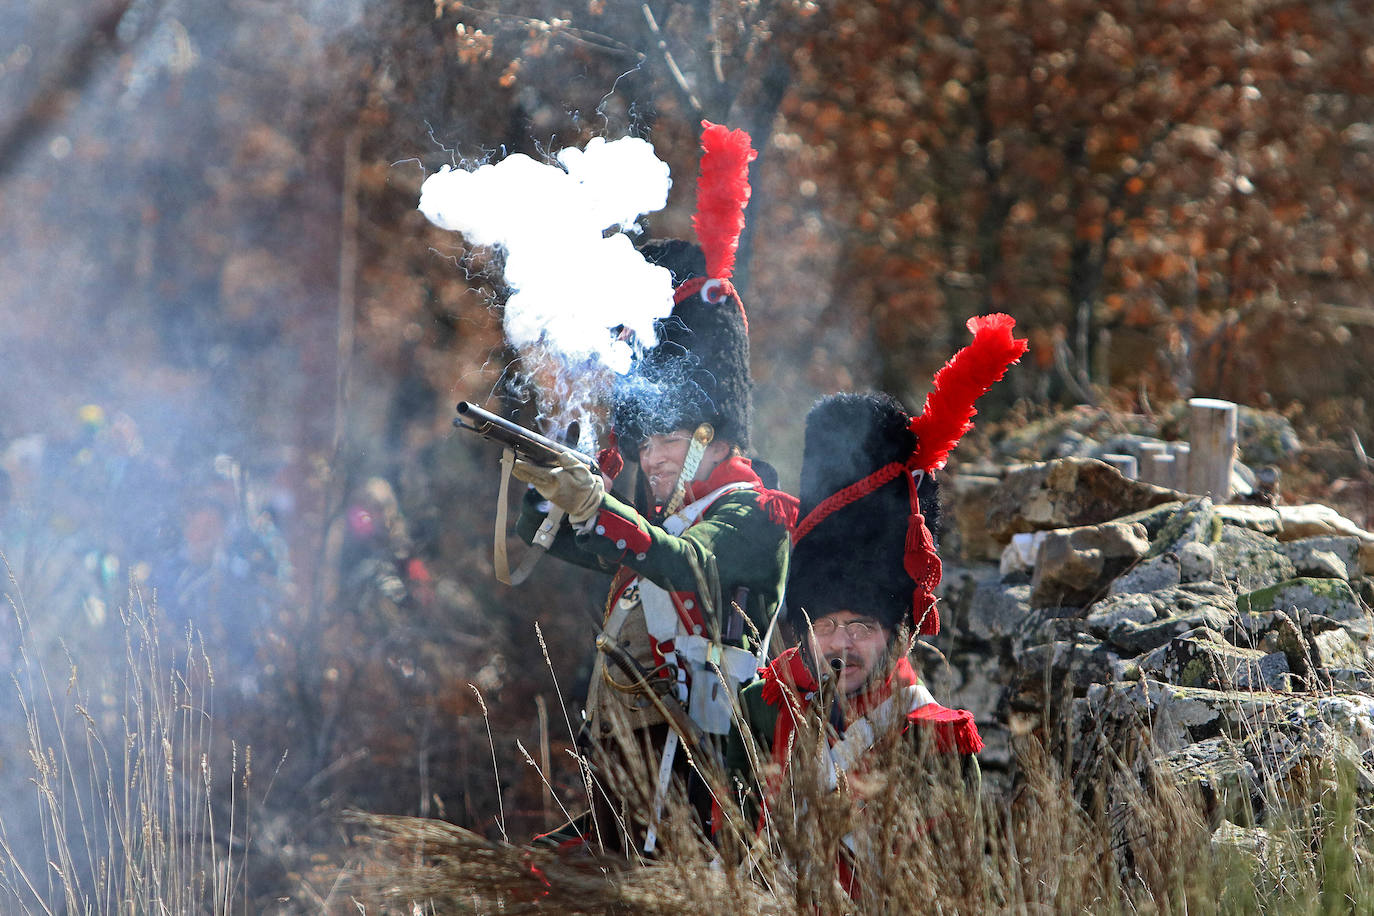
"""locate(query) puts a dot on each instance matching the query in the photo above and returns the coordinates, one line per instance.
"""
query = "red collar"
(735, 469)
(790, 670)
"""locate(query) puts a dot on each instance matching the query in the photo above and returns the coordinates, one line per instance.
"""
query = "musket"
(527, 444)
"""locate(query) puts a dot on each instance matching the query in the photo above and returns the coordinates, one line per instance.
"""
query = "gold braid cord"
(695, 452)
(642, 685)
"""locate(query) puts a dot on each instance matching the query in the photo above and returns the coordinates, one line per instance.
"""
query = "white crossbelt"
(860, 735)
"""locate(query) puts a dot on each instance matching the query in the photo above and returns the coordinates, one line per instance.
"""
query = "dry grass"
(1113, 837)
(125, 814)
(919, 830)
(130, 813)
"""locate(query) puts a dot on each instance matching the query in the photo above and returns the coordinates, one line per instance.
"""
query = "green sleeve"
(749, 727)
(751, 738)
(564, 546)
(750, 549)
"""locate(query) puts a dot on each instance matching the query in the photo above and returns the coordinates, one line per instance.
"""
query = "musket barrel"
(525, 443)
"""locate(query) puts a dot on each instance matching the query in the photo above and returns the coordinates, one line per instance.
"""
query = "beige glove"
(572, 486)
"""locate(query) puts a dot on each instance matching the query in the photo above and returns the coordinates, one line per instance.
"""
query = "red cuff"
(625, 534)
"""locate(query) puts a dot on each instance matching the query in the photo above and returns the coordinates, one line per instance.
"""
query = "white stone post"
(1149, 466)
(1212, 428)
(1183, 456)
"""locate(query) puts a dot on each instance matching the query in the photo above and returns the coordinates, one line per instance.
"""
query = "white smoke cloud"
(571, 284)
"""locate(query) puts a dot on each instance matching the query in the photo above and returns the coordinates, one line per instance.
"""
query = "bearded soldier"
(862, 586)
(699, 557)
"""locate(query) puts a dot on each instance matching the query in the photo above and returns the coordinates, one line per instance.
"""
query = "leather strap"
(548, 529)
(615, 621)
(665, 776)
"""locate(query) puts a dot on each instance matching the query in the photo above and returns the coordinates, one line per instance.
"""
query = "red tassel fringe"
(949, 409)
(954, 729)
(609, 458)
(722, 193)
(772, 692)
(788, 668)
(782, 508)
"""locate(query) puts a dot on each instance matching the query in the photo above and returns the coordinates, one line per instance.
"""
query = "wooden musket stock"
(668, 706)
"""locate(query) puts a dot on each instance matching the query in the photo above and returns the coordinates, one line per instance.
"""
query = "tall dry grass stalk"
(923, 836)
(914, 827)
(125, 815)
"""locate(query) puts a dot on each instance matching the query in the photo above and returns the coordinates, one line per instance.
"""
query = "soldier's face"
(859, 641)
(660, 461)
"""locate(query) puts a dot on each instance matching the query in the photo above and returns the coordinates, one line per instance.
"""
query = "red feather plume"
(722, 193)
(949, 410)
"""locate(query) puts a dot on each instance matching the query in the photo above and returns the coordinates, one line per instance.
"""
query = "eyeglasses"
(857, 629)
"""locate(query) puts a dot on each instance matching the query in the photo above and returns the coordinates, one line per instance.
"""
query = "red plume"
(949, 410)
(722, 193)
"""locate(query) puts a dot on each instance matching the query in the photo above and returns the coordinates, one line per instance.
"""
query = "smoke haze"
(581, 298)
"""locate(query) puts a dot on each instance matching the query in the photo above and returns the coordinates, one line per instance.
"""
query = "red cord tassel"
(922, 563)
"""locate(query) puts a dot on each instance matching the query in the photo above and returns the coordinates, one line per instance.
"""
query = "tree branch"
(65, 81)
(679, 79)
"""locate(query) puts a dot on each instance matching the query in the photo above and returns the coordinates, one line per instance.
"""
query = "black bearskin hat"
(868, 550)
(699, 370)
(853, 559)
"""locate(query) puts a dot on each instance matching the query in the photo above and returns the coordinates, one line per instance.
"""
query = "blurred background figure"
(371, 564)
(225, 571)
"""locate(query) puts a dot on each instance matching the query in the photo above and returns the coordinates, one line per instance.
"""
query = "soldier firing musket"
(698, 556)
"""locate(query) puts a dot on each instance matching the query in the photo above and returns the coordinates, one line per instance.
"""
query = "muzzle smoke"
(582, 301)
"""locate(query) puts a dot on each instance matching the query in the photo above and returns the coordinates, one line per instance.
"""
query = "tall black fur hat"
(854, 558)
(699, 370)
(866, 541)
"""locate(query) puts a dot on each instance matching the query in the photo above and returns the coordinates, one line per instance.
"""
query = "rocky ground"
(1228, 642)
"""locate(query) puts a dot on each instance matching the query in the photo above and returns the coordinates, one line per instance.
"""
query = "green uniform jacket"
(759, 720)
(747, 539)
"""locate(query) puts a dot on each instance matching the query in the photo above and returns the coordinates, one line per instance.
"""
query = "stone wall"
(1231, 643)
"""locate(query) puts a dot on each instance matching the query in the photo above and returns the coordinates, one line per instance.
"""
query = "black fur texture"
(853, 560)
(699, 370)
